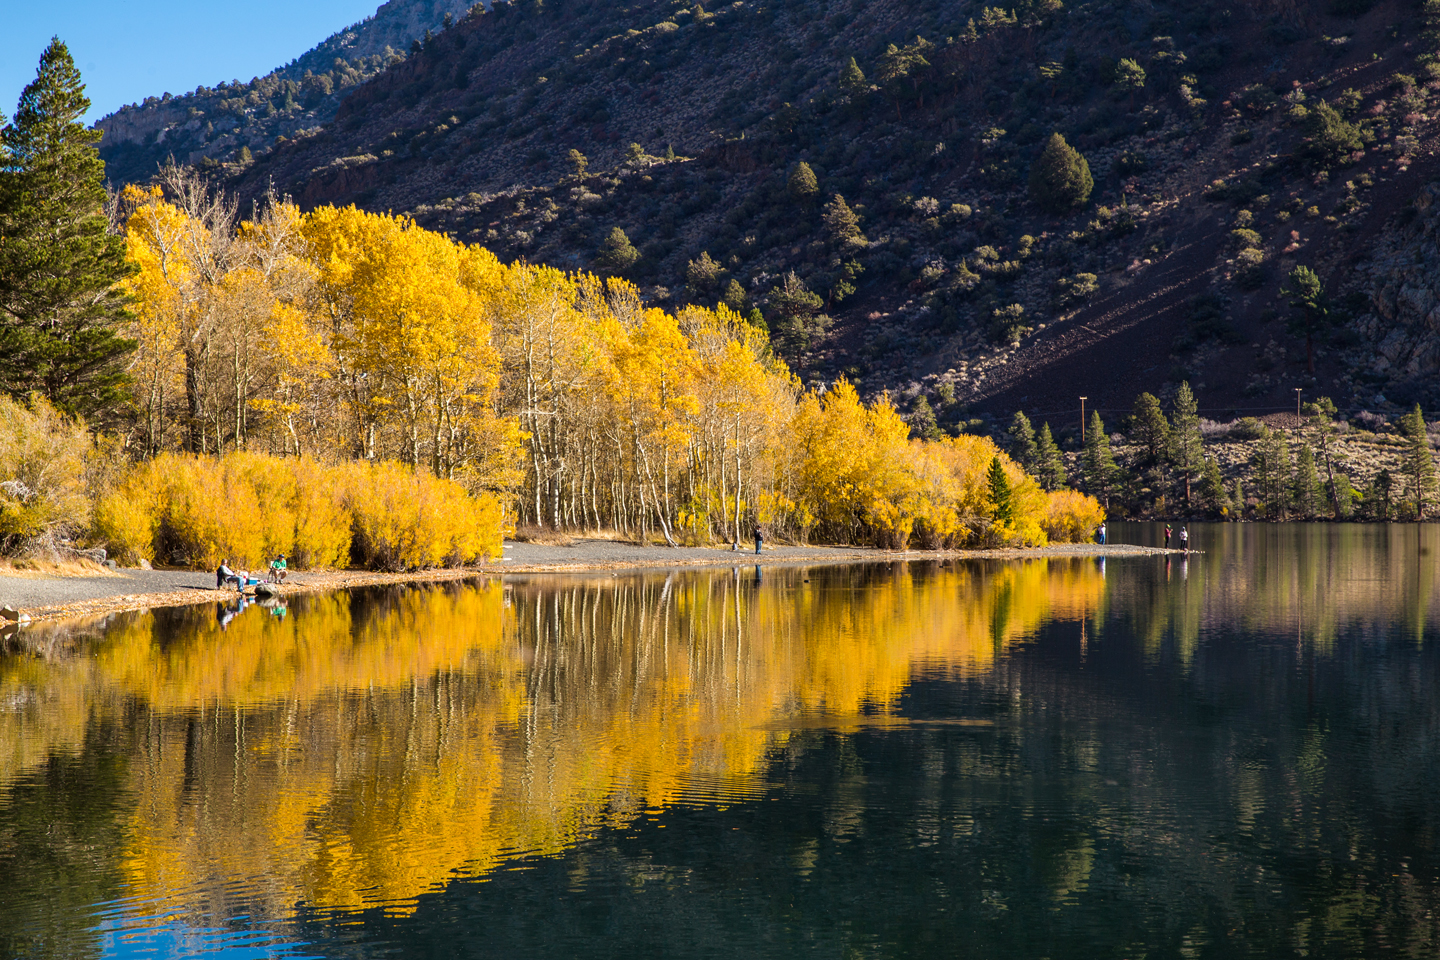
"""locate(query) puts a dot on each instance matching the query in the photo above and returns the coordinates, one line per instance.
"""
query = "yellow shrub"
(1072, 517)
(407, 519)
(322, 524)
(126, 520)
(43, 456)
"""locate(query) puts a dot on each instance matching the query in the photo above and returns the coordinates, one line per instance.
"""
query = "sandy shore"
(56, 597)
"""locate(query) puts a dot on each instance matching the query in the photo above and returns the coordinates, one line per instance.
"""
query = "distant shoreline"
(57, 598)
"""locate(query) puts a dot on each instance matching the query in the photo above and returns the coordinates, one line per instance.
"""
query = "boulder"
(8, 612)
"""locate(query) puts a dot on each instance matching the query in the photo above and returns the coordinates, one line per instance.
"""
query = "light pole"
(1297, 403)
(1082, 419)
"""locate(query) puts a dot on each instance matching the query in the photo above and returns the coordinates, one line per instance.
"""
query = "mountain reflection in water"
(1226, 754)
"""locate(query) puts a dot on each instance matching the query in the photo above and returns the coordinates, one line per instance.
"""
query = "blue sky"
(128, 50)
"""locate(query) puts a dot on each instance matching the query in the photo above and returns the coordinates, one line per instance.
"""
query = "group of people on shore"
(1169, 535)
(225, 577)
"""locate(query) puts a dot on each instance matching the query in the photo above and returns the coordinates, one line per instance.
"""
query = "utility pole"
(1082, 419)
(1297, 403)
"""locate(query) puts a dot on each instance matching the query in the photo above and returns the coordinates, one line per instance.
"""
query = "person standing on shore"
(1100, 534)
(1167, 536)
(759, 539)
(1185, 538)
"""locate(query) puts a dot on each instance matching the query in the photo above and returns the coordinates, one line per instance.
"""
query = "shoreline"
(112, 593)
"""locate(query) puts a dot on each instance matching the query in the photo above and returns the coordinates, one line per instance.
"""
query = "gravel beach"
(50, 597)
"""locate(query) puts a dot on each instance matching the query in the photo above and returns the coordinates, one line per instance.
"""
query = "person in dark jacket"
(759, 539)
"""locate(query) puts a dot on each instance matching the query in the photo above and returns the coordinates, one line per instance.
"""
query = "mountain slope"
(1216, 163)
(213, 123)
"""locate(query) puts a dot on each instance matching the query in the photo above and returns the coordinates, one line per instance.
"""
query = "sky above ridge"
(128, 50)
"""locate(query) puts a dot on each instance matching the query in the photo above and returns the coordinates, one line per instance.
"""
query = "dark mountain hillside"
(879, 215)
(214, 123)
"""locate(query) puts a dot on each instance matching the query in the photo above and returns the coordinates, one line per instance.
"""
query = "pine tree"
(1187, 447)
(922, 420)
(841, 223)
(60, 303)
(1419, 463)
(1212, 488)
(1306, 494)
(1151, 430)
(578, 162)
(852, 78)
(1099, 461)
(1000, 492)
(1022, 442)
(803, 185)
(1307, 296)
(617, 253)
(1270, 464)
(1060, 180)
(1237, 499)
(1049, 465)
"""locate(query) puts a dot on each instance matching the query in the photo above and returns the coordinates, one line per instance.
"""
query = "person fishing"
(1100, 534)
(1185, 538)
(1167, 536)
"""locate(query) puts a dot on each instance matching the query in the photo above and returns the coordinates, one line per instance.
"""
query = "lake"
(1234, 754)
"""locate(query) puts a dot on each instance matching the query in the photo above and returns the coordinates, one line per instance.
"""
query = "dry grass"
(27, 569)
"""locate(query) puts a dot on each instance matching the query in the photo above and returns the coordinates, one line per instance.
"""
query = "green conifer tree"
(1049, 465)
(1418, 463)
(852, 78)
(1271, 468)
(1101, 473)
(578, 162)
(1060, 179)
(1212, 488)
(841, 223)
(1022, 442)
(922, 419)
(617, 253)
(803, 184)
(1306, 494)
(60, 303)
(1000, 492)
(1187, 447)
(1151, 430)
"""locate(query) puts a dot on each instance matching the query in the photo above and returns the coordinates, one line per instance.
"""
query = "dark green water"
(1235, 754)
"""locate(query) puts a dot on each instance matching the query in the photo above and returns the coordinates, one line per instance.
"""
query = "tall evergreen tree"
(1212, 488)
(803, 184)
(1270, 466)
(852, 78)
(1101, 472)
(1306, 494)
(60, 301)
(1049, 465)
(1000, 492)
(1022, 441)
(1419, 463)
(1060, 179)
(1187, 447)
(1151, 430)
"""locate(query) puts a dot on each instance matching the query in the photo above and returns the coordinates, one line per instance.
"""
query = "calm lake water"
(1234, 755)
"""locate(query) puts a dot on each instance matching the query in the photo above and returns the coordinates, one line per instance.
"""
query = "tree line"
(1287, 475)
(178, 326)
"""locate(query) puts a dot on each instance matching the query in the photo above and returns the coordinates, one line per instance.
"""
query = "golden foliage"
(370, 746)
(1072, 517)
(43, 460)
(249, 507)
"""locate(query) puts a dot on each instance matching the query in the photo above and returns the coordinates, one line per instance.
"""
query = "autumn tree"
(61, 304)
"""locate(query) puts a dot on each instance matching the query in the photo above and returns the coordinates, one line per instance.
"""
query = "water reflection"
(1046, 757)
